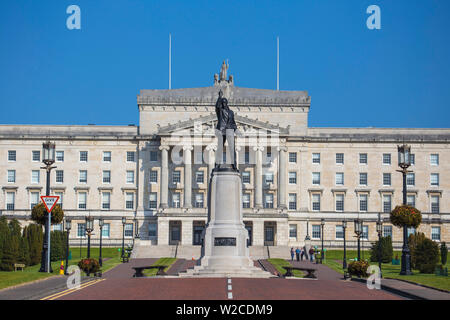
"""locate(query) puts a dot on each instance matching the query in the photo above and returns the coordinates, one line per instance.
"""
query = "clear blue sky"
(394, 77)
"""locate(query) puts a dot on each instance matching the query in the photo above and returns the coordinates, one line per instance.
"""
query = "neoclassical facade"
(156, 174)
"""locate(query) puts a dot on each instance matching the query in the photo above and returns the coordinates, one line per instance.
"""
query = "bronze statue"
(225, 130)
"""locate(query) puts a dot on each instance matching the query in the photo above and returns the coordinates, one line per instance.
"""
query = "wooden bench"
(311, 272)
(18, 266)
(139, 271)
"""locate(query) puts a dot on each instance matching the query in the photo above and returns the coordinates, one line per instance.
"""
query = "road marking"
(230, 295)
(230, 288)
(68, 291)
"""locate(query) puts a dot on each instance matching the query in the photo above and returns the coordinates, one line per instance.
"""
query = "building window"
(199, 200)
(435, 204)
(412, 156)
(82, 199)
(410, 231)
(176, 176)
(316, 178)
(363, 202)
(339, 202)
(316, 202)
(434, 177)
(106, 230)
(365, 233)
(59, 174)
(363, 178)
(11, 155)
(130, 176)
(246, 177)
(59, 156)
(269, 155)
(268, 203)
(339, 178)
(316, 231)
(106, 156)
(268, 177)
(316, 158)
(386, 179)
(131, 156)
(247, 157)
(410, 179)
(153, 202)
(83, 156)
(153, 176)
(363, 158)
(106, 176)
(293, 231)
(128, 230)
(36, 156)
(152, 229)
(246, 200)
(10, 200)
(35, 175)
(106, 200)
(386, 158)
(199, 177)
(60, 200)
(129, 200)
(387, 205)
(176, 200)
(293, 177)
(34, 199)
(436, 233)
(411, 200)
(292, 201)
(83, 176)
(81, 230)
(11, 176)
(293, 157)
(339, 158)
(57, 227)
(339, 232)
(434, 159)
(387, 231)
(153, 156)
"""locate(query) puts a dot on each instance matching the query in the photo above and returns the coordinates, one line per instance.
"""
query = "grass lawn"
(280, 263)
(161, 262)
(389, 270)
(31, 273)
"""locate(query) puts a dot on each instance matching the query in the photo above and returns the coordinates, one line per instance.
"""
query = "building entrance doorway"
(249, 227)
(198, 227)
(269, 233)
(174, 232)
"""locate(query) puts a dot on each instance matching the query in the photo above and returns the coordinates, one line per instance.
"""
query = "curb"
(29, 282)
(394, 290)
(420, 285)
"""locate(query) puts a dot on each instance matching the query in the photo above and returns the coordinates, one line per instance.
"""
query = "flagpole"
(170, 61)
(278, 63)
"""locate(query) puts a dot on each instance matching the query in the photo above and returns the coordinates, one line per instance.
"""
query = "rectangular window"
(363, 178)
(11, 155)
(387, 205)
(365, 233)
(82, 199)
(293, 231)
(129, 200)
(269, 155)
(83, 176)
(57, 227)
(59, 156)
(386, 158)
(245, 177)
(339, 232)
(199, 177)
(36, 156)
(436, 233)
(81, 230)
(153, 200)
(435, 204)
(246, 200)
(363, 158)
(339, 158)
(413, 158)
(106, 176)
(387, 231)
(130, 176)
(106, 156)
(268, 177)
(176, 200)
(268, 203)
(434, 177)
(106, 230)
(339, 202)
(410, 231)
(176, 176)
(386, 179)
(293, 177)
(434, 159)
(106, 200)
(131, 156)
(292, 201)
(316, 158)
(247, 157)
(128, 230)
(60, 200)
(83, 156)
(35, 175)
(316, 178)
(339, 178)
(199, 200)
(316, 231)
(316, 202)
(293, 157)
(34, 199)
(11, 176)
(152, 229)
(153, 156)
(10, 200)
(410, 179)
(363, 202)
(59, 176)
(411, 200)
(153, 176)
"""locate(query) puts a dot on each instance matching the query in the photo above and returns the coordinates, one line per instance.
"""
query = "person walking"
(302, 253)
(311, 254)
(305, 251)
(297, 252)
(292, 254)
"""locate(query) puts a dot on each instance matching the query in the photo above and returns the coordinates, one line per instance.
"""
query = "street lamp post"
(344, 263)
(68, 226)
(380, 232)
(89, 229)
(322, 223)
(124, 221)
(48, 158)
(404, 161)
(100, 223)
(358, 231)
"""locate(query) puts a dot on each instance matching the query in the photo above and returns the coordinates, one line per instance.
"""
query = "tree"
(58, 245)
(387, 251)
(427, 256)
(34, 236)
(413, 241)
(24, 252)
(10, 252)
(4, 230)
(444, 252)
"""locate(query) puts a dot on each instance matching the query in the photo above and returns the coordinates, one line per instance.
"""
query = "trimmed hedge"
(427, 256)
(387, 251)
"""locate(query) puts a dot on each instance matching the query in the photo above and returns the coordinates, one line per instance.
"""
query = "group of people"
(299, 253)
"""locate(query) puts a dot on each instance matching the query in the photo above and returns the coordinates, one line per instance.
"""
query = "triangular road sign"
(49, 202)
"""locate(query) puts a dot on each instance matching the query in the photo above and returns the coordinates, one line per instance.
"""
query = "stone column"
(187, 158)
(258, 177)
(186, 233)
(258, 232)
(164, 191)
(163, 232)
(282, 178)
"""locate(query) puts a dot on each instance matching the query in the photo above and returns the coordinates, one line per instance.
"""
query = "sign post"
(49, 203)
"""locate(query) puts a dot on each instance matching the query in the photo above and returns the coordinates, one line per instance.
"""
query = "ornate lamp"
(404, 156)
(358, 231)
(100, 223)
(48, 153)
(68, 226)
(89, 229)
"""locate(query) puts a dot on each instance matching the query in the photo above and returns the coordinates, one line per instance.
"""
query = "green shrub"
(444, 252)
(427, 256)
(57, 245)
(4, 230)
(39, 214)
(34, 235)
(413, 241)
(387, 252)
(358, 268)
(10, 252)
(24, 252)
